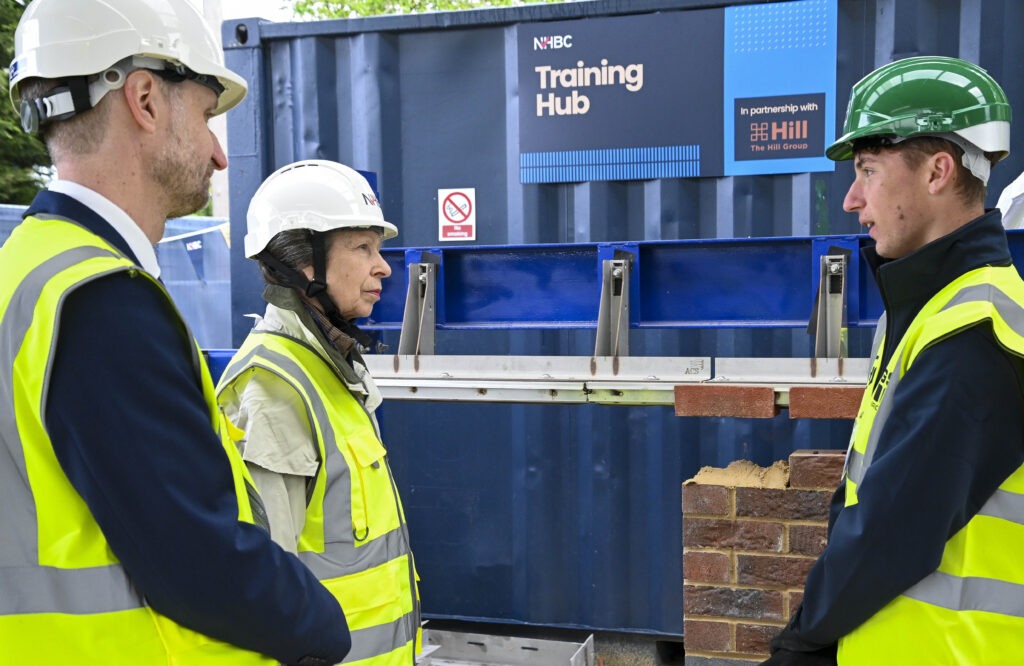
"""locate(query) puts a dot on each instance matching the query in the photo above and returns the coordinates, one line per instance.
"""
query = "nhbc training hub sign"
(712, 92)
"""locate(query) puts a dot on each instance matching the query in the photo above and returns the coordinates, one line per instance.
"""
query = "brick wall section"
(746, 554)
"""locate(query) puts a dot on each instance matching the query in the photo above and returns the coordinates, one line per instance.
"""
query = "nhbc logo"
(552, 42)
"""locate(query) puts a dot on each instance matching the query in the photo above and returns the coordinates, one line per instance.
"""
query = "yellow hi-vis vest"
(355, 538)
(970, 611)
(64, 597)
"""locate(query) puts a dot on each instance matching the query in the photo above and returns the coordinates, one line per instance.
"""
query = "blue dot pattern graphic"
(781, 26)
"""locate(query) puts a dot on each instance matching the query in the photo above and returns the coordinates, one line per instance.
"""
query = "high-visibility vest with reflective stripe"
(64, 597)
(355, 537)
(971, 609)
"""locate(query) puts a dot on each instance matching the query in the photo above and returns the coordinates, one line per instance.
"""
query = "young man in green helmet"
(923, 561)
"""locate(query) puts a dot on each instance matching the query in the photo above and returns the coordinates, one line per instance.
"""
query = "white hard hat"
(60, 39)
(318, 195)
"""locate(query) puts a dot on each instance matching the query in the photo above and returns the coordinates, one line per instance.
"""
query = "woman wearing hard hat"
(300, 391)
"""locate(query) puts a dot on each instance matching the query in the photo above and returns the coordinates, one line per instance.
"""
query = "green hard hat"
(927, 95)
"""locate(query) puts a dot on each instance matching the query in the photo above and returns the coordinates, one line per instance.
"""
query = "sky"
(268, 9)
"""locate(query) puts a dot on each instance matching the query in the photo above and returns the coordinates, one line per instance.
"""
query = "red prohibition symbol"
(457, 207)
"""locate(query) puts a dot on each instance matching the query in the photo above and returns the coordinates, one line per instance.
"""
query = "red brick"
(816, 469)
(757, 402)
(732, 602)
(754, 638)
(702, 567)
(748, 535)
(807, 539)
(706, 500)
(771, 570)
(824, 402)
(793, 599)
(783, 504)
(707, 635)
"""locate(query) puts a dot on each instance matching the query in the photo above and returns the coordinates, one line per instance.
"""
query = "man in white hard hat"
(299, 388)
(131, 532)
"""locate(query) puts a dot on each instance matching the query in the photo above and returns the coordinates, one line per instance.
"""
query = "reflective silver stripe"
(970, 594)
(382, 638)
(338, 539)
(372, 553)
(1009, 310)
(973, 593)
(858, 463)
(876, 341)
(18, 517)
(337, 494)
(1006, 505)
(856, 458)
(28, 587)
(35, 589)
(340, 557)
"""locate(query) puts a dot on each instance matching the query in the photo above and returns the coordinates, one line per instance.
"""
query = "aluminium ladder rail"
(695, 386)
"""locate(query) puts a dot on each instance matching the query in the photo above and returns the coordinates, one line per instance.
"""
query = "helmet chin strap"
(316, 288)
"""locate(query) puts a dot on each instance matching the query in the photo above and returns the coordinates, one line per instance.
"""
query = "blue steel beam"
(711, 283)
(716, 283)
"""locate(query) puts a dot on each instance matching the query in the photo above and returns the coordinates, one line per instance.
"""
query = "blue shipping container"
(541, 514)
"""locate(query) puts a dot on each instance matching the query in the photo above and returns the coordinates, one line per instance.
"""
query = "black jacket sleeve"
(956, 432)
(131, 429)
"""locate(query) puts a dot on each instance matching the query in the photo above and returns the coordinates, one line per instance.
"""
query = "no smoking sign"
(456, 214)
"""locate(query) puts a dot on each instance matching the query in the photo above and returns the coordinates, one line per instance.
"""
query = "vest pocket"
(374, 502)
(379, 595)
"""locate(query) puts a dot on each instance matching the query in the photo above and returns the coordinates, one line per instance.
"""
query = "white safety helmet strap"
(79, 93)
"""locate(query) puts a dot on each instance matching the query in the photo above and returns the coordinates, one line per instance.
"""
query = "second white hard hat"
(319, 195)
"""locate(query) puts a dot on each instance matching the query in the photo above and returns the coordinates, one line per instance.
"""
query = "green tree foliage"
(322, 9)
(23, 158)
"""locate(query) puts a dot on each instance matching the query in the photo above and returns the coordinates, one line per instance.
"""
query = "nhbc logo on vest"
(580, 76)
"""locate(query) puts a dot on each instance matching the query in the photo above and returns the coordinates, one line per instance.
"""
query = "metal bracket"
(828, 342)
(613, 311)
(419, 321)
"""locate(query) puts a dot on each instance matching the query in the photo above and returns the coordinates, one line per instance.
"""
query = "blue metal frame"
(711, 283)
(716, 283)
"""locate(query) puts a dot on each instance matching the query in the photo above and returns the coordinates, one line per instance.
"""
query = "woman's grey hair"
(293, 248)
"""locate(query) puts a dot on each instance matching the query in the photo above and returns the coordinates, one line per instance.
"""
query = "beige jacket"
(278, 447)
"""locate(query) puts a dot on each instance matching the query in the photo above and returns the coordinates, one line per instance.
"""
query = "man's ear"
(942, 170)
(143, 95)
